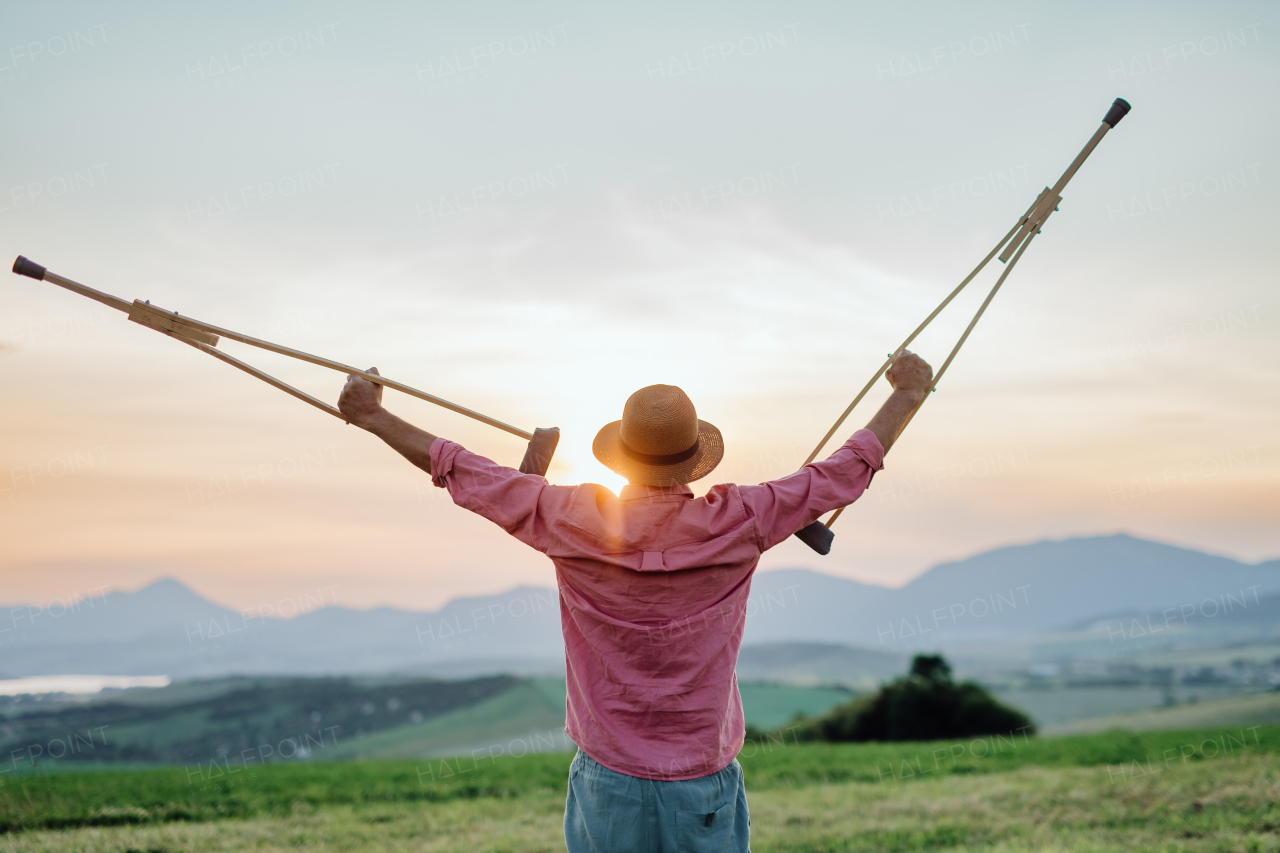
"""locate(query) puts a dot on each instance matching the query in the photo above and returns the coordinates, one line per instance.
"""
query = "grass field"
(525, 713)
(1221, 656)
(1223, 805)
(768, 706)
(1061, 705)
(1203, 789)
(1237, 711)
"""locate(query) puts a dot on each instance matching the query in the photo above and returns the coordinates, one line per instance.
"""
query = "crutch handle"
(817, 536)
(29, 268)
(1119, 109)
(537, 456)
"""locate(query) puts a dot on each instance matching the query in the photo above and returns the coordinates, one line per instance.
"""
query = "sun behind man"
(653, 598)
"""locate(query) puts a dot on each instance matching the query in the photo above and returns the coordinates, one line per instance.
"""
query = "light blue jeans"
(610, 812)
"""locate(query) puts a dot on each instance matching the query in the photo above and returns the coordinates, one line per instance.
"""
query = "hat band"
(650, 459)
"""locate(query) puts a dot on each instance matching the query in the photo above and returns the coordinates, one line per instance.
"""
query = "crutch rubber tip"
(22, 266)
(1119, 109)
(537, 457)
(817, 536)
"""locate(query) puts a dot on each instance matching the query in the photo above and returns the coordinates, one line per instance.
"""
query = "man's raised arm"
(361, 402)
(518, 503)
(911, 378)
(781, 507)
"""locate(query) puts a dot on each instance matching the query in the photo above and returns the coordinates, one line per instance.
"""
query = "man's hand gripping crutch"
(818, 535)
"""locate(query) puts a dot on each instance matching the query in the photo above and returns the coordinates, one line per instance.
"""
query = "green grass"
(1223, 804)
(110, 797)
(114, 797)
(778, 763)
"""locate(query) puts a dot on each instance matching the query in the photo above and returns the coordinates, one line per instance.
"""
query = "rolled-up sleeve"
(511, 500)
(781, 507)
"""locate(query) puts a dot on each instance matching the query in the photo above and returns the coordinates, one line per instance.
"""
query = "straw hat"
(659, 441)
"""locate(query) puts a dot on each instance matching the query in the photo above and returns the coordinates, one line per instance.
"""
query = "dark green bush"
(925, 705)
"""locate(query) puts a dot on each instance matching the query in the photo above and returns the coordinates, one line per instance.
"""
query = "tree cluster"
(925, 705)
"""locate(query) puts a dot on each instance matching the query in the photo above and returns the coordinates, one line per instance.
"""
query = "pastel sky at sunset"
(533, 209)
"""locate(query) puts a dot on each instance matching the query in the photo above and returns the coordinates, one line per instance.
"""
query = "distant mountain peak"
(167, 589)
(166, 584)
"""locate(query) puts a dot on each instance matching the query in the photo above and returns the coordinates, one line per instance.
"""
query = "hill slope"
(1259, 710)
(238, 720)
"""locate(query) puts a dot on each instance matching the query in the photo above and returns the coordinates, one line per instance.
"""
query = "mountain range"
(1079, 585)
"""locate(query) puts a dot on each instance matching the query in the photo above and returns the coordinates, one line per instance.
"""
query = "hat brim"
(607, 447)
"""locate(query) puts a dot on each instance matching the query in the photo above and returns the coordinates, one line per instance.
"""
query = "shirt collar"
(633, 491)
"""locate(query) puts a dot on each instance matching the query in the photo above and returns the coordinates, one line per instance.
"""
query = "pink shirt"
(653, 594)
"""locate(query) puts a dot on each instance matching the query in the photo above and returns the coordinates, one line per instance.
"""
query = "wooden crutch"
(204, 337)
(818, 535)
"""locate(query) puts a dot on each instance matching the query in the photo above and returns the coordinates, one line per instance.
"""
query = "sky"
(533, 209)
